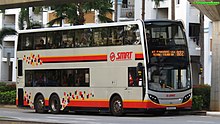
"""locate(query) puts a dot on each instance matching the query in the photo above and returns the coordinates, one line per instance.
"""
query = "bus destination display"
(166, 53)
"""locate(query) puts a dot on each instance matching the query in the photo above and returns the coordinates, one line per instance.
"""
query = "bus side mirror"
(140, 67)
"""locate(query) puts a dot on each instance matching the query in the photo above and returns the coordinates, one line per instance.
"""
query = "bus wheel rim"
(54, 105)
(117, 106)
(40, 104)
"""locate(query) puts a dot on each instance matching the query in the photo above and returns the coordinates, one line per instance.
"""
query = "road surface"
(73, 118)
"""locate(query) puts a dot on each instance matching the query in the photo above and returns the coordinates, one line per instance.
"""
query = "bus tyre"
(116, 106)
(55, 104)
(39, 104)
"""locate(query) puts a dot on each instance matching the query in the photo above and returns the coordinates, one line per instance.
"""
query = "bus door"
(136, 83)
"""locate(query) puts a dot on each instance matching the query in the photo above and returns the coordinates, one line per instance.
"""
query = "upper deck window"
(40, 41)
(26, 42)
(167, 43)
(165, 34)
(88, 37)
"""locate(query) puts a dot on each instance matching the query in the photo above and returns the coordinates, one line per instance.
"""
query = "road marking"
(201, 122)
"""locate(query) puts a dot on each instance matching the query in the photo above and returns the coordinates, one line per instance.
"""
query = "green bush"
(7, 97)
(197, 103)
(201, 96)
(2, 83)
(7, 87)
(7, 93)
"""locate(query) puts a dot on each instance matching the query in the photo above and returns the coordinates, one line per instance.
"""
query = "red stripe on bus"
(135, 105)
(74, 58)
(143, 105)
(186, 104)
(139, 56)
(46, 102)
(105, 104)
(16, 102)
(130, 104)
(98, 104)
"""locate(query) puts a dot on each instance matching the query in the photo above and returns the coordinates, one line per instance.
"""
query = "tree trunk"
(81, 19)
(116, 11)
(27, 18)
(143, 9)
(172, 9)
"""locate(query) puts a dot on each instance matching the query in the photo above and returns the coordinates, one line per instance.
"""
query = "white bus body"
(110, 73)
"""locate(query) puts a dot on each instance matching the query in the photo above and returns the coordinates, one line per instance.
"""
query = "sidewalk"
(8, 106)
(213, 113)
(206, 113)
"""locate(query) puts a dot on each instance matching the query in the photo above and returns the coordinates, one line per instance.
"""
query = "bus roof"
(162, 20)
(153, 21)
(78, 27)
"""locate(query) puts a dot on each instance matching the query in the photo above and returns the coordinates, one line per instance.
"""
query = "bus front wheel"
(55, 104)
(39, 104)
(116, 106)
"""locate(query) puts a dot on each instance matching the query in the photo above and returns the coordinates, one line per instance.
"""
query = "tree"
(102, 6)
(157, 4)
(74, 12)
(24, 17)
(6, 31)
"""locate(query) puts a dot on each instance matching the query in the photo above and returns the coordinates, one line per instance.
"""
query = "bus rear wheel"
(39, 104)
(55, 104)
(116, 106)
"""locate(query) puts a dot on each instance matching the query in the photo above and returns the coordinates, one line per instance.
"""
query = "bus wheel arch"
(54, 103)
(116, 105)
(39, 103)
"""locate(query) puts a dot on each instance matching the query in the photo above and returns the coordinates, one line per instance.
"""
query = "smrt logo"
(120, 56)
(170, 95)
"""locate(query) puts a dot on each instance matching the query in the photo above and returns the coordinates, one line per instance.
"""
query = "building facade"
(8, 19)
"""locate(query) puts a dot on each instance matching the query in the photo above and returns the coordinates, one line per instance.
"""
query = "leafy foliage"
(23, 16)
(157, 2)
(102, 6)
(74, 12)
(201, 96)
(197, 102)
(7, 93)
(6, 31)
(7, 87)
(8, 97)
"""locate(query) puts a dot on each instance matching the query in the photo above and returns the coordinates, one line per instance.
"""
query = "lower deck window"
(57, 78)
(135, 77)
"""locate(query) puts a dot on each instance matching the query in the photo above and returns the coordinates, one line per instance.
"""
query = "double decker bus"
(116, 67)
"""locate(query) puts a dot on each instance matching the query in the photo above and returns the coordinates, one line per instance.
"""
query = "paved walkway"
(8, 106)
(212, 113)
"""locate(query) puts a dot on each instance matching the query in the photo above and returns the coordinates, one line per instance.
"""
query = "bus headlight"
(153, 98)
(186, 97)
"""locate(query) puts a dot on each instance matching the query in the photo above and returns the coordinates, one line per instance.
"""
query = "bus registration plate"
(171, 108)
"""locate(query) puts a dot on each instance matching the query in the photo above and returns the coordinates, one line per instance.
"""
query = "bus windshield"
(169, 77)
(168, 67)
